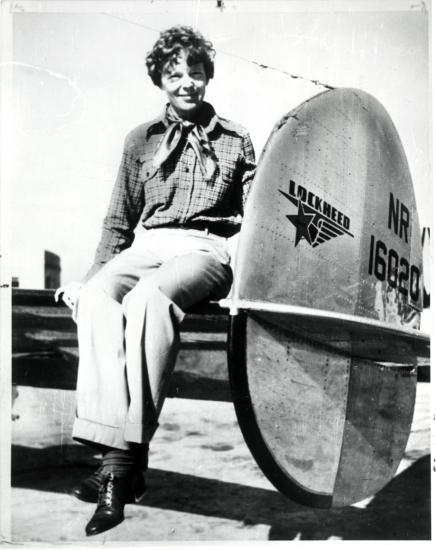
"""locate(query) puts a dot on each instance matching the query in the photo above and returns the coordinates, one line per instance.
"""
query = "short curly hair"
(175, 40)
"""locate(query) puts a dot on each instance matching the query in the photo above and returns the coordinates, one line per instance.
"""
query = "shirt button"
(186, 169)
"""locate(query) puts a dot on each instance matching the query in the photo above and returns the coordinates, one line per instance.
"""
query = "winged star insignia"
(311, 224)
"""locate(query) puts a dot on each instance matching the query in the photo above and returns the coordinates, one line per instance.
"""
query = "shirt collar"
(207, 117)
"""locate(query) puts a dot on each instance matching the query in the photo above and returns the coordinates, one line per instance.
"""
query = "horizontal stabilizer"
(346, 334)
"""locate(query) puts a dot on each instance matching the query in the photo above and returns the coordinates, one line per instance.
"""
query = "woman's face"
(185, 86)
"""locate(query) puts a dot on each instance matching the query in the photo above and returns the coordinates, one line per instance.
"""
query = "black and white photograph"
(215, 268)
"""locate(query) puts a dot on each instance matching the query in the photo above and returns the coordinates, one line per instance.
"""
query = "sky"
(79, 85)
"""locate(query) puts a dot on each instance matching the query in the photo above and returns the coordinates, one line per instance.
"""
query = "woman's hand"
(69, 293)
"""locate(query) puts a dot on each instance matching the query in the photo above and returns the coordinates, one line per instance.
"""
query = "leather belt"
(216, 228)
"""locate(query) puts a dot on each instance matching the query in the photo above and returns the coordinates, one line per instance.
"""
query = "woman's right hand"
(69, 293)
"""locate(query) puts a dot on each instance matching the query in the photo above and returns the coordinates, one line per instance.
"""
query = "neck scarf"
(196, 137)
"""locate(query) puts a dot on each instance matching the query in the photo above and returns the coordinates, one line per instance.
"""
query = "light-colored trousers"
(128, 317)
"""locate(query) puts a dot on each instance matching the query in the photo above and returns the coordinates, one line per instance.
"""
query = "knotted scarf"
(195, 135)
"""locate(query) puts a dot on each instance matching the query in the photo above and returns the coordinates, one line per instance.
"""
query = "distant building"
(37, 268)
(52, 270)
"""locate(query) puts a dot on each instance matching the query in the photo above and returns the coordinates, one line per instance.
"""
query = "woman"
(182, 184)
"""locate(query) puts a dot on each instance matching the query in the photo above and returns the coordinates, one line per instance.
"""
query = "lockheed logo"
(316, 220)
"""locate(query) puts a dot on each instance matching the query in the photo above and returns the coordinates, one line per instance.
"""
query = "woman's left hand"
(69, 293)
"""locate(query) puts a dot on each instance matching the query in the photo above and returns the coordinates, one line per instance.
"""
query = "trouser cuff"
(110, 436)
(139, 433)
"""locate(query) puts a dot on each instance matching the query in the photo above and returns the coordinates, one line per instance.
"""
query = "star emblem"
(302, 221)
(311, 224)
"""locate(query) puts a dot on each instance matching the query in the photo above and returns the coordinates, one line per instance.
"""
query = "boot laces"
(106, 491)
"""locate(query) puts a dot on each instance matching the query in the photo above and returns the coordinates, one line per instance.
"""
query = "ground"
(203, 484)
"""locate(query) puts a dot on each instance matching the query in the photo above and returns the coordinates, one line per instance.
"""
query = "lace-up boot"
(113, 494)
(87, 490)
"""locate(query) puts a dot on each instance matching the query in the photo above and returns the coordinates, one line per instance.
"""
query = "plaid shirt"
(176, 194)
